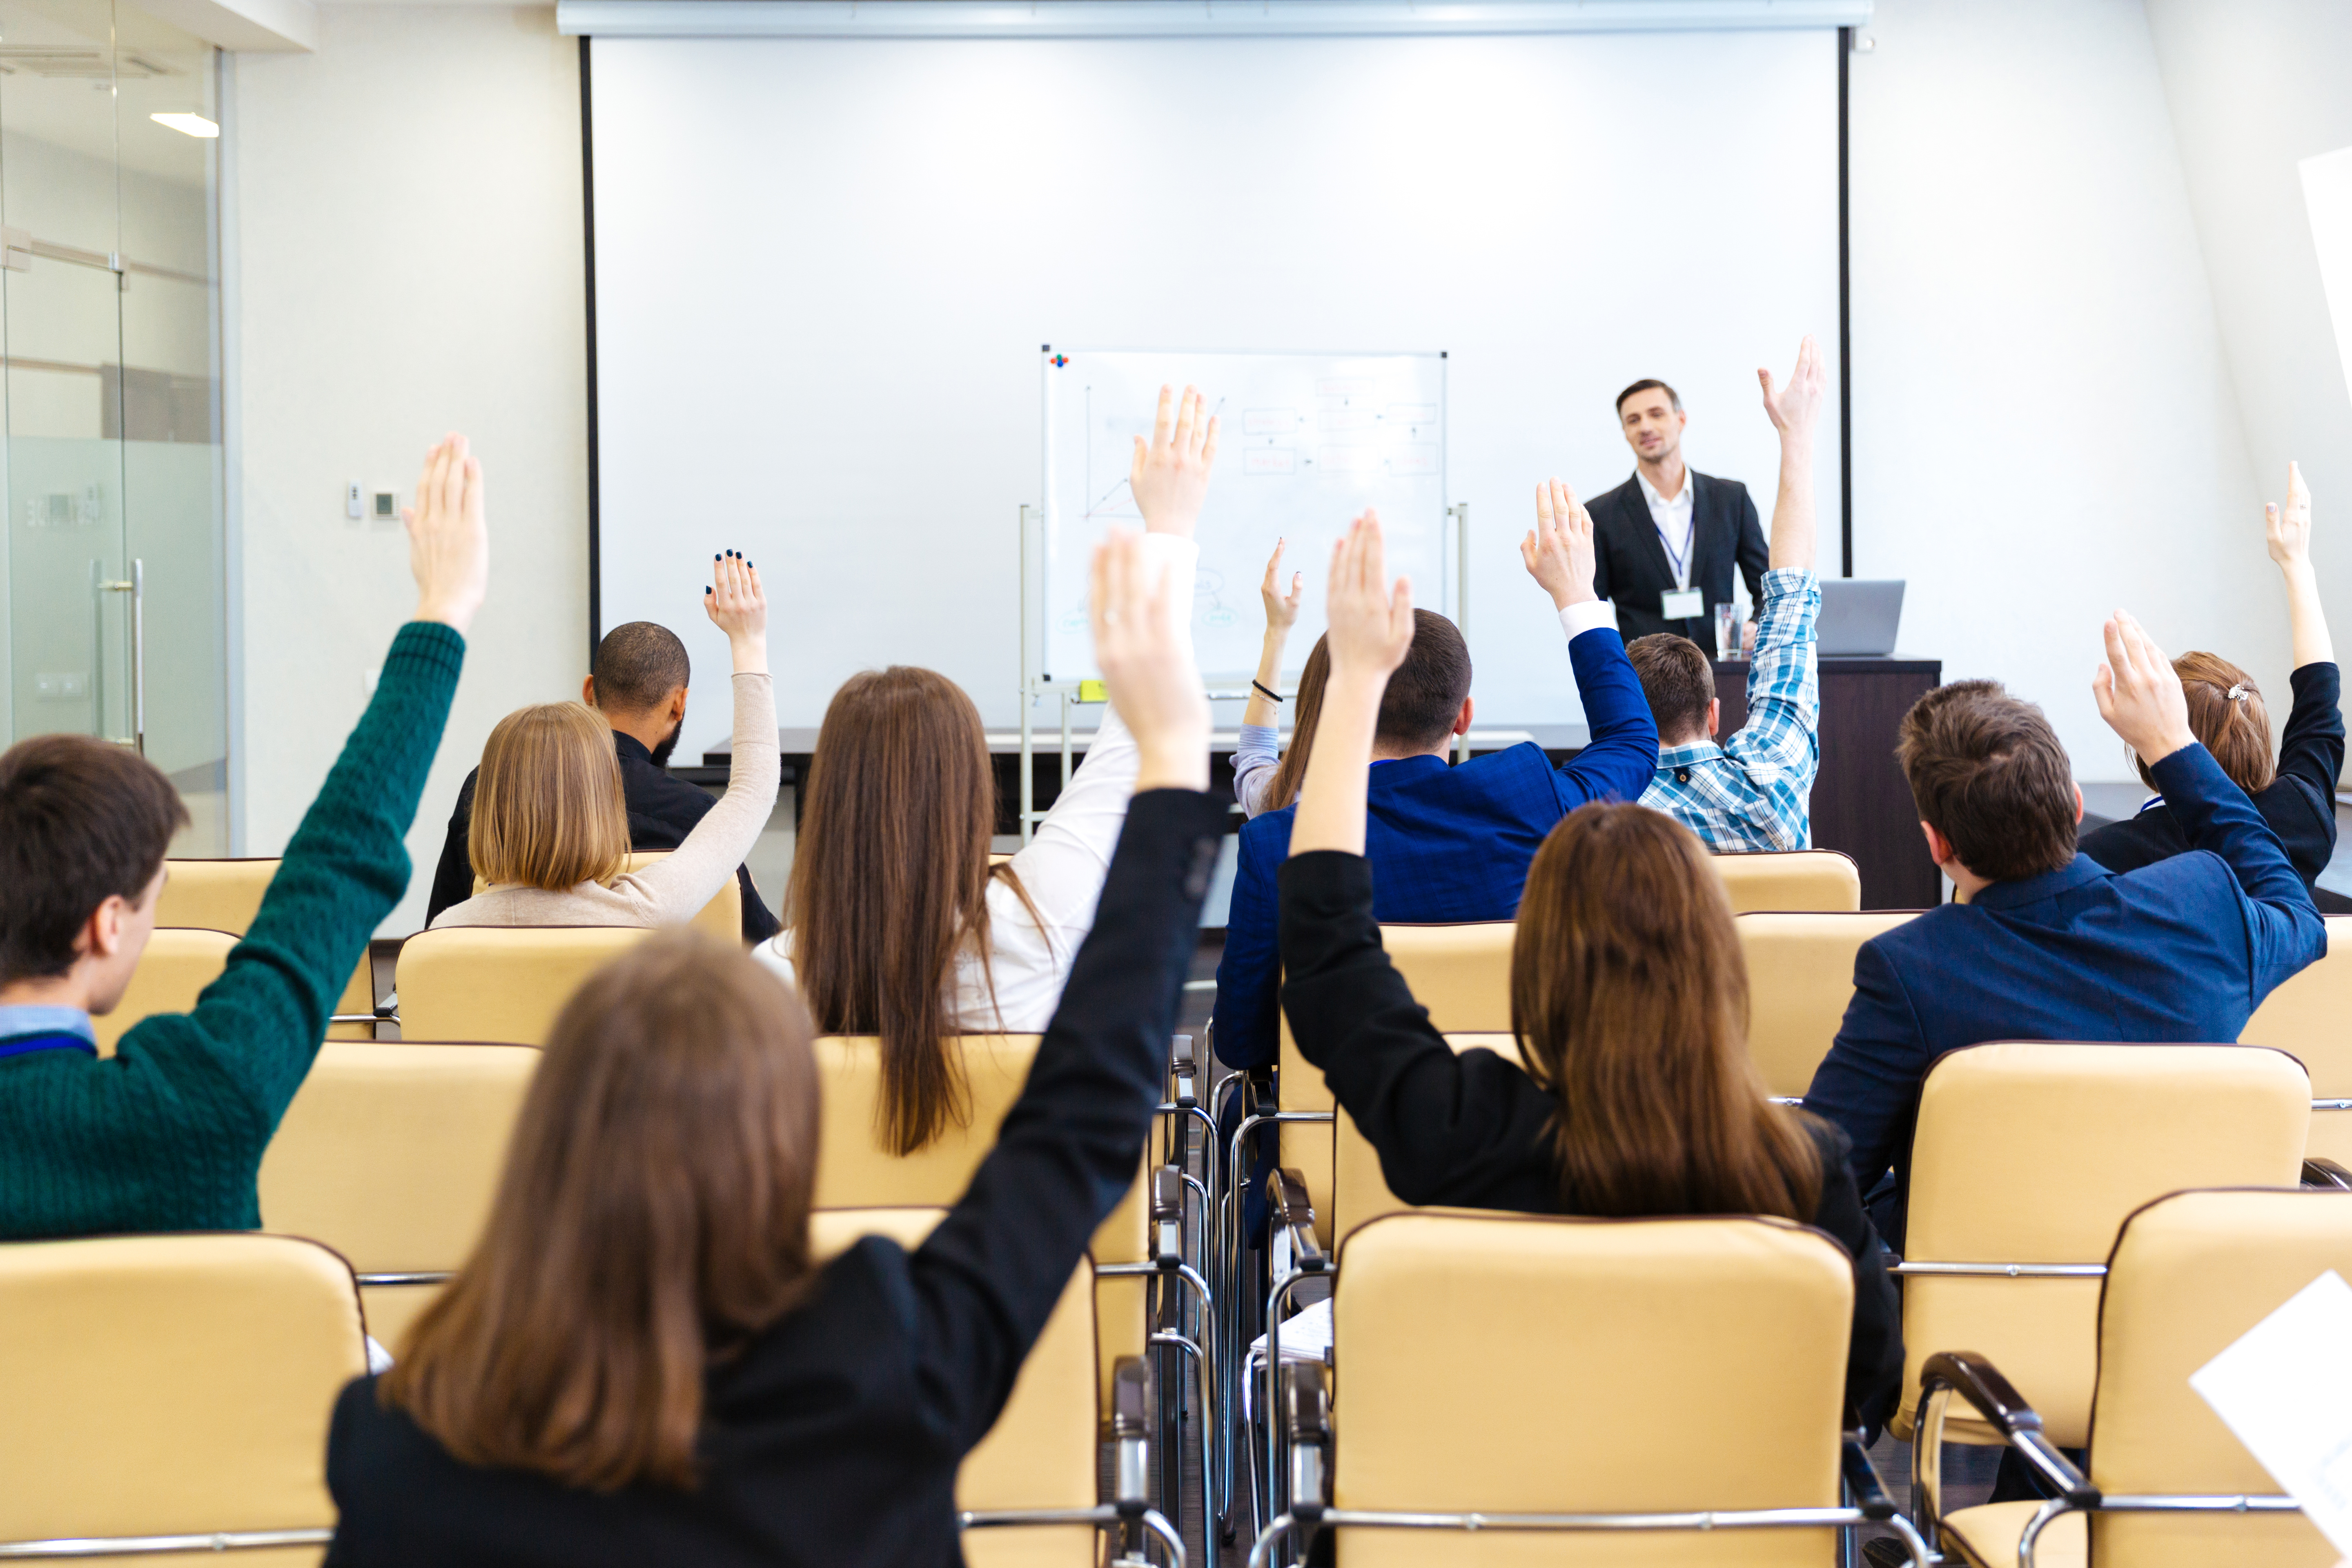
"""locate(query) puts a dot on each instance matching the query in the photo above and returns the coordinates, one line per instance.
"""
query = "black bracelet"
(1263, 693)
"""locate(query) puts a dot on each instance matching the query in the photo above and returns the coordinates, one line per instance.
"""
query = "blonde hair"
(548, 808)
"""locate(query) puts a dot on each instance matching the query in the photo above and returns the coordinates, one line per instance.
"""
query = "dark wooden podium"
(1861, 804)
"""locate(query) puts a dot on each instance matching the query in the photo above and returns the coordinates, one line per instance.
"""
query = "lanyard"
(1690, 541)
(24, 1045)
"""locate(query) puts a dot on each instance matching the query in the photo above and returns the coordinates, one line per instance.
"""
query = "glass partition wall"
(113, 577)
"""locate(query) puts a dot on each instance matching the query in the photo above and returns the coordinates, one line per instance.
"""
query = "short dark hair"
(1425, 696)
(80, 822)
(1987, 772)
(1679, 680)
(637, 666)
(1644, 384)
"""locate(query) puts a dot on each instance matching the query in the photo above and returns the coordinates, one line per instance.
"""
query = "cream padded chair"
(503, 983)
(224, 895)
(721, 918)
(1800, 979)
(2189, 1274)
(1042, 1451)
(1822, 879)
(2310, 1017)
(2033, 1154)
(1526, 1365)
(1359, 1192)
(857, 1170)
(173, 1387)
(392, 1155)
(1461, 973)
(173, 970)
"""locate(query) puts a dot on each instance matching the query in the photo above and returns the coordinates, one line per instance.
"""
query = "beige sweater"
(672, 890)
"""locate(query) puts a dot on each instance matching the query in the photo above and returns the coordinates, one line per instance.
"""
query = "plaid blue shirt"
(1755, 790)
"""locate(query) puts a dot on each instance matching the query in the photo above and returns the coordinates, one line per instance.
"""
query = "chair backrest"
(224, 895)
(721, 918)
(392, 1154)
(1539, 1364)
(855, 1169)
(1821, 879)
(2189, 1274)
(503, 983)
(1042, 1451)
(1460, 973)
(175, 968)
(2030, 1152)
(171, 1384)
(2310, 1017)
(1359, 1192)
(1800, 979)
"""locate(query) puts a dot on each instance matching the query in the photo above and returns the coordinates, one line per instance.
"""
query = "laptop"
(1859, 618)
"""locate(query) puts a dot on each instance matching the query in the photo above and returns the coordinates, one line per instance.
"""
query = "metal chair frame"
(66, 1547)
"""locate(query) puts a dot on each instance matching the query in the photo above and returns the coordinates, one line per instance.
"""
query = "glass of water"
(1727, 630)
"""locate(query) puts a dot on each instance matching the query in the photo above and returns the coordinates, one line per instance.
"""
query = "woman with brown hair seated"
(642, 1364)
(1629, 997)
(550, 833)
(896, 922)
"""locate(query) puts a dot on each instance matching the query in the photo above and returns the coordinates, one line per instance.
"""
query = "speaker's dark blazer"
(1630, 566)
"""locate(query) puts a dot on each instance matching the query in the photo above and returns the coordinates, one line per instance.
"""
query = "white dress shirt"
(1672, 519)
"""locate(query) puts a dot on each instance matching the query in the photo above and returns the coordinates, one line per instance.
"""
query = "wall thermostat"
(387, 506)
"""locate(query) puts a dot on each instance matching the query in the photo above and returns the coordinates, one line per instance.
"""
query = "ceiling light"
(194, 124)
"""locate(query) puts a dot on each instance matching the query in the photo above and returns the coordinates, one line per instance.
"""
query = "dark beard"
(669, 745)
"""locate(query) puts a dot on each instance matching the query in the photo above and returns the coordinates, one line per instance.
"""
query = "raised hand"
(1170, 476)
(1281, 609)
(1370, 620)
(1559, 549)
(2139, 694)
(448, 539)
(2288, 527)
(1146, 662)
(738, 605)
(1793, 408)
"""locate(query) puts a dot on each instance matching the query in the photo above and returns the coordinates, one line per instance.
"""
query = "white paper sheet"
(2286, 1389)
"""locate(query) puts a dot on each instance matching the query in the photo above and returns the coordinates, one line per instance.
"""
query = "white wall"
(410, 234)
(2044, 422)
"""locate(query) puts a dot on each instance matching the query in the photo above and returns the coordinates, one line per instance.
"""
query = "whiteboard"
(1305, 443)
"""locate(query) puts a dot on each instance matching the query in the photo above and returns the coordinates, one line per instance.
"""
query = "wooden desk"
(1862, 803)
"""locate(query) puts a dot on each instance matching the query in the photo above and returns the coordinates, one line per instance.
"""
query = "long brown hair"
(652, 1219)
(548, 807)
(1290, 774)
(1630, 999)
(890, 882)
(2236, 730)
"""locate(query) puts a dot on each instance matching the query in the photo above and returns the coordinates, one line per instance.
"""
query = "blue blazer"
(2184, 950)
(1445, 843)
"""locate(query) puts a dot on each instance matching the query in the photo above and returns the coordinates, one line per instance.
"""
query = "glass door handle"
(136, 586)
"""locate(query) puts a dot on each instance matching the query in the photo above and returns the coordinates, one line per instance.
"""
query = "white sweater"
(673, 889)
(1062, 866)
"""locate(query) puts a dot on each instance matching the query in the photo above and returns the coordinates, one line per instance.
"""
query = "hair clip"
(2236, 693)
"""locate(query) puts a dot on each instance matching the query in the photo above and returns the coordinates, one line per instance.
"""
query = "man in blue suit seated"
(2044, 943)
(1453, 843)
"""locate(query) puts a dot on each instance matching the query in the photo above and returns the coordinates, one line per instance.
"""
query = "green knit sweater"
(168, 1134)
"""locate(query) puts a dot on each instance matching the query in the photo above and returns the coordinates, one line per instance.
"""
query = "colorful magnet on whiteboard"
(1093, 691)
(1058, 360)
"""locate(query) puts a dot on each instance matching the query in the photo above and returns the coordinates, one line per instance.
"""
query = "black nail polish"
(715, 558)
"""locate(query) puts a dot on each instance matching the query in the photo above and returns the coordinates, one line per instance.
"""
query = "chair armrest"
(1183, 1071)
(1286, 1190)
(1979, 1382)
(1862, 1478)
(2324, 1173)
(1168, 1216)
(1130, 1434)
(1306, 1415)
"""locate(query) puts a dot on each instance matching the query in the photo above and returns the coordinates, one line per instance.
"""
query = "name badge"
(1682, 605)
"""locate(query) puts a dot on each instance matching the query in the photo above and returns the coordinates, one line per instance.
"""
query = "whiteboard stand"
(1068, 694)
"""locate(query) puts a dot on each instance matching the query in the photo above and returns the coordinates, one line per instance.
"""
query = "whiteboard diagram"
(1305, 443)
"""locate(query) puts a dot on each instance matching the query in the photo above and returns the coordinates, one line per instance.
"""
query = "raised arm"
(2288, 529)
(690, 876)
(1255, 756)
(988, 1278)
(1620, 752)
(2139, 695)
(1793, 409)
(1784, 693)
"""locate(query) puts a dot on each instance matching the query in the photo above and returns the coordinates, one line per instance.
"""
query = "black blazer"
(662, 811)
(2299, 804)
(1631, 569)
(1473, 1131)
(834, 1438)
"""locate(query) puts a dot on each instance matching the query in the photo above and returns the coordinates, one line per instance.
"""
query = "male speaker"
(1666, 540)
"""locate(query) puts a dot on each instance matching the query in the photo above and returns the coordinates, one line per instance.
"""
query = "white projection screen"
(824, 270)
